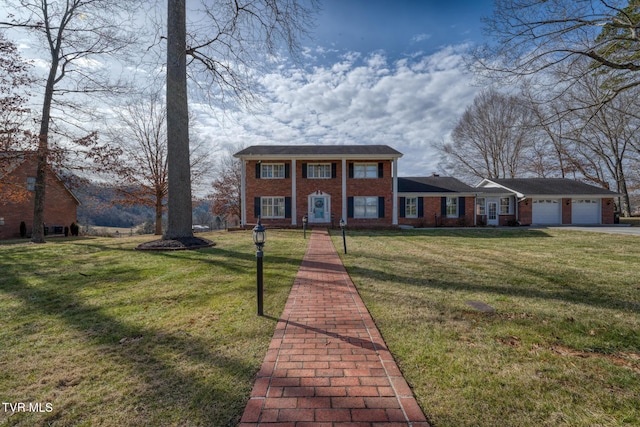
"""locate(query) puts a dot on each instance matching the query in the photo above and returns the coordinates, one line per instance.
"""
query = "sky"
(373, 72)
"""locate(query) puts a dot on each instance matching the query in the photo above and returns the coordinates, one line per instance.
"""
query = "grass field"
(561, 349)
(109, 336)
(104, 335)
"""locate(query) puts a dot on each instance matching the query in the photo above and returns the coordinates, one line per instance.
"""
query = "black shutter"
(256, 207)
(420, 207)
(287, 207)
(334, 170)
(443, 206)
(304, 170)
(380, 207)
(403, 200)
(461, 206)
(380, 170)
(257, 170)
(349, 207)
(350, 170)
(287, 170)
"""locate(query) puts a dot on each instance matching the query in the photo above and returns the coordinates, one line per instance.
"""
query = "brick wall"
(566, 211)
(261, 187)
(608, 208)
(433, 214)
(525, 212)
(60, 206)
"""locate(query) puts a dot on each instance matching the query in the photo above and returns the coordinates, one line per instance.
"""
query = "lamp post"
(259, 236)
(305, 220)
(343, 225)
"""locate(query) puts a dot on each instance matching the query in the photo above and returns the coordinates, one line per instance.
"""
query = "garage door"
(585, 211)
(546, 211)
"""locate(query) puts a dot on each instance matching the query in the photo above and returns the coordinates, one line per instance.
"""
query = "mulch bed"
(178, 244)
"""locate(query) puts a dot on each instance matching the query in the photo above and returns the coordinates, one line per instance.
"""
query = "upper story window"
(31, 183)
(365, 170)
(319, 170)
(452, 207)
(272, 170)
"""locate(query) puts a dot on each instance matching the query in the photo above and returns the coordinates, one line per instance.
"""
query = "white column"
(294, 194)
(394, 218)
(243, 194)
(345, 172)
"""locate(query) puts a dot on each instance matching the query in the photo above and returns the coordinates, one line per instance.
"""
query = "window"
(481, 208)
(452, 207)
(272, 170)
(272, 207)
(505, 205)
(411, 207)
(365, 170)
(319, 170)
(1, 220)
(365, 207)
(31, 183)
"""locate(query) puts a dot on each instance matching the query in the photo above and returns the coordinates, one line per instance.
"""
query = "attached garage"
(547, 211)
(586, 211)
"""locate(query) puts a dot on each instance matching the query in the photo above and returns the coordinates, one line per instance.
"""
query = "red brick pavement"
(327, 364)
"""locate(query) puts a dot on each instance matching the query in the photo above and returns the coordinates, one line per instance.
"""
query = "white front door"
(492, 213)
(319, 208)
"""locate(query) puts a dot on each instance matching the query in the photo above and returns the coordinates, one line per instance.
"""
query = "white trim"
(344, 189)
(394, 209)
(326, 207)
(294, 194)
(243, 194)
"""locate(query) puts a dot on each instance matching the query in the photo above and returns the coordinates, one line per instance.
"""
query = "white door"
(547, 211)
(585, 211)
(492, 213)
(319, 208)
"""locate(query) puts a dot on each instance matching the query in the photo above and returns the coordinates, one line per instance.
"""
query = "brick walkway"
(327, 364)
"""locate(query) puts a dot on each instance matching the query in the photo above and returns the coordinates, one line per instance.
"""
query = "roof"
(433, 184)
(547, 187)
(318, 151)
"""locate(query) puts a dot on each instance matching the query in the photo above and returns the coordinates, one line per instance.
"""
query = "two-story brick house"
(357, 183)
(18, 172)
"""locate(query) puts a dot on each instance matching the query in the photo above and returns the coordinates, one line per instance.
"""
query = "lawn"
(562, 347)
(96, 333)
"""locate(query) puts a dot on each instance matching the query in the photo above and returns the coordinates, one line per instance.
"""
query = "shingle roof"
(319, 150)
(551, 186)
(433, 184)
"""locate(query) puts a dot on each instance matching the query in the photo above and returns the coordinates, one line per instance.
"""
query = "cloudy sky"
(374, 72)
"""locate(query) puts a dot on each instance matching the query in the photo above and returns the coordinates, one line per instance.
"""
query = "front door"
(492, 213)
(319, 209)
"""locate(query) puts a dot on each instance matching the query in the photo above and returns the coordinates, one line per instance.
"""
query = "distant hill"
(97, 206)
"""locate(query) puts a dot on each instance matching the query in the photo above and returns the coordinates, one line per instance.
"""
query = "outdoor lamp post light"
(259, 236)
(305, 220)
(344, 239)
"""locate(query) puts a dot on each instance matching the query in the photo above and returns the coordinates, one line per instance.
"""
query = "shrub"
(75, 230)
(66, 231)
(23, 229)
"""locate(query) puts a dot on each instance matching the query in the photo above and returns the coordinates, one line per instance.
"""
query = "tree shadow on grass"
(150, 354)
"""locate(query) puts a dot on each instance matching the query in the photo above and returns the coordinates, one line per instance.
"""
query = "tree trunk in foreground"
(179, 170)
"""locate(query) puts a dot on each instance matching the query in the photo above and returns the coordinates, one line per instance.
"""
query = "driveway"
(610, 229)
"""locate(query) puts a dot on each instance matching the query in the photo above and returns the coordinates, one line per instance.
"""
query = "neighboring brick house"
(19, 169)
(436, 201)
(544, 201)
(357, 183)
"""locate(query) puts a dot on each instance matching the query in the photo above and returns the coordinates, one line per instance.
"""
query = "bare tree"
(536, 36)
(226, 198)
(138, 139)
(491, 138)
(224, 49)
(73, 33)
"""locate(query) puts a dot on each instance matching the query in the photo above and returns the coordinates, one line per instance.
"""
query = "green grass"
(561, 349)
(114, 337)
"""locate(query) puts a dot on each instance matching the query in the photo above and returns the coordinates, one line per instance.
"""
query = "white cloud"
(409, 104)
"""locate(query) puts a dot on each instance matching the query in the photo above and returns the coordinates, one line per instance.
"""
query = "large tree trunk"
(37, 233)
(179, 171)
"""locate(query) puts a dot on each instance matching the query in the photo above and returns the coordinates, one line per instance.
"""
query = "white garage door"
(585, 211)
(547, 211)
